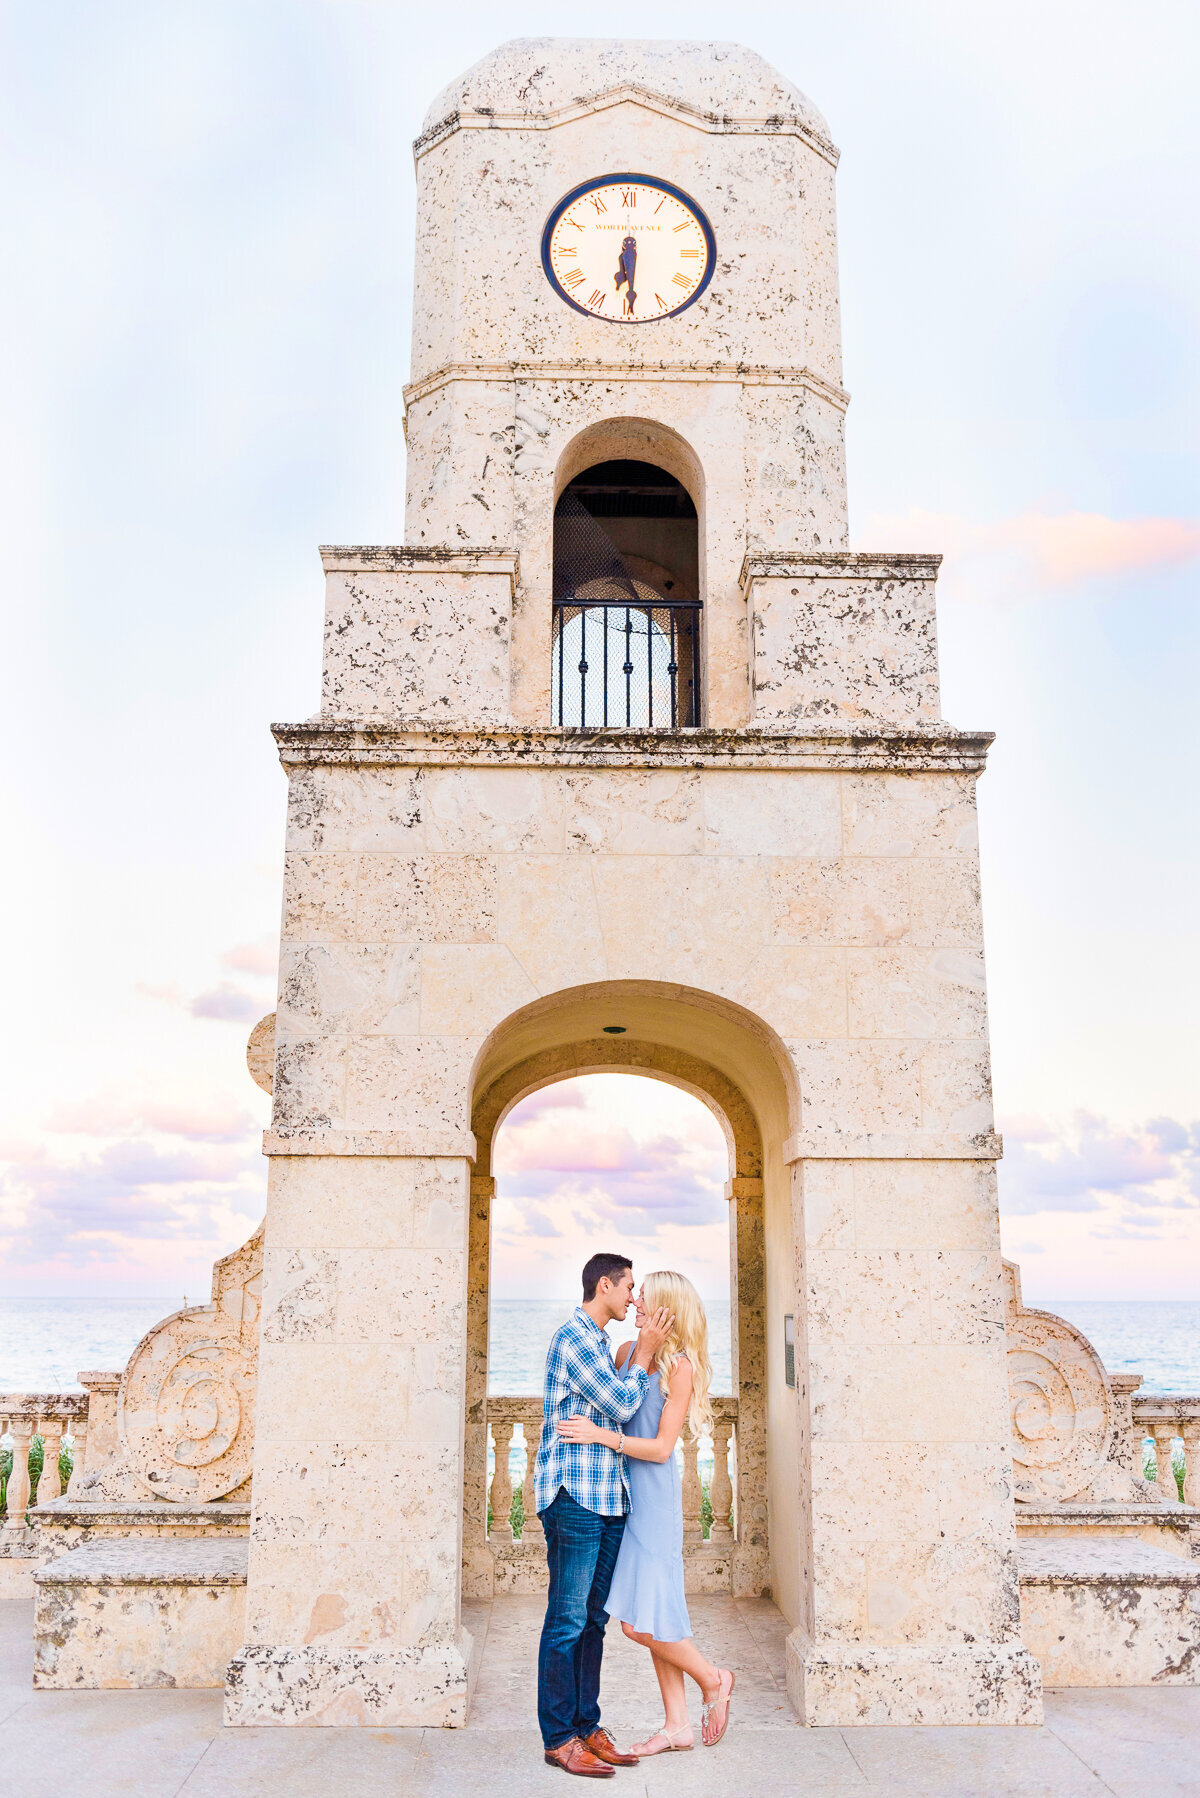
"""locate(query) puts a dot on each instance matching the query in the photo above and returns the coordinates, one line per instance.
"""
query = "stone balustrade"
(515, 1421)
(55, 1417)
(1165, 1419)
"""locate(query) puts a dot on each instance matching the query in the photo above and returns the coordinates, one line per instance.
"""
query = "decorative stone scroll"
(1062, 1402)
(260, 1053)
(185, 1409)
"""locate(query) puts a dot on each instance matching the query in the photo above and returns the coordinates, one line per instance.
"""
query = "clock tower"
(624, 760)
(732, 358)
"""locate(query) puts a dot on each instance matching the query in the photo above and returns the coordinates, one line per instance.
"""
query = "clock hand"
(626, 263)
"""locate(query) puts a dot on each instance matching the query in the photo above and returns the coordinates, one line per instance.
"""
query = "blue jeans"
(581, 1549)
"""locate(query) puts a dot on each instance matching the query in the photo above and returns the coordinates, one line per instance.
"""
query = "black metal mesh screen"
(587, 563)
(622, 654)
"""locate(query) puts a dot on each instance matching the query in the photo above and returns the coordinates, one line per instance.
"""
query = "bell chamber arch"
(626, 601)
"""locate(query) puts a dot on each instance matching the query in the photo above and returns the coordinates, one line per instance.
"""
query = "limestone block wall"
(417, 634)
(835, 904)
(423, 905)
(353, 1594)
(842, 637)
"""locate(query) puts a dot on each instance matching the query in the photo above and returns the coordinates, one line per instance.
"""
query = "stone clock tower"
(624, 760)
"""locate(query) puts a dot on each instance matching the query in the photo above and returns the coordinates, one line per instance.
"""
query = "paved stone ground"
(1132, 1743)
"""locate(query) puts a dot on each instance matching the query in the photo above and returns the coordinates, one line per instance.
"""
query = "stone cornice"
(1036, 1514)
(409, 743)
(836, 565)
(43, 1404)
(747, 374)
(401, 558)
(458, 1145)
(1166, 1405)
(771, 125)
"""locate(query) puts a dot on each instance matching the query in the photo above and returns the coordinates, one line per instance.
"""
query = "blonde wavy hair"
(689, 1336)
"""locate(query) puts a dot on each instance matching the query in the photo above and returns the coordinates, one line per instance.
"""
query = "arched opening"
(610, 1160)
(740, 1074)
(626, 641)
(594, 1160)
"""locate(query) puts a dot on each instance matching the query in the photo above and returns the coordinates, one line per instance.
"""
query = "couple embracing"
(608, 1493)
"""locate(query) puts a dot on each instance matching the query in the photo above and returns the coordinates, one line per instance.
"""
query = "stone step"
(67, 1522)
(1115, 1612)
(150, 1561)
(138, 1611)
(1103, 1563)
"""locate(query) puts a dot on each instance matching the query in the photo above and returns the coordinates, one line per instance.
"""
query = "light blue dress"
(647, 1582)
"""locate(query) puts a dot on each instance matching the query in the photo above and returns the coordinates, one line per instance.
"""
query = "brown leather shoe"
(573, 1757)
(601, 1744)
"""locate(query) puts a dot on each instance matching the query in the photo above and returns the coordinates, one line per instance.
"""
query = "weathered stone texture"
(165, 1612)
(427, 641)
(1103, 1613)
(834, 637)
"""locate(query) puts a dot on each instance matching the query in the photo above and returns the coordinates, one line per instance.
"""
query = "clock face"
(628, 249)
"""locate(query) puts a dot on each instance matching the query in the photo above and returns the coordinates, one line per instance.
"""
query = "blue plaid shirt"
(582, 1381)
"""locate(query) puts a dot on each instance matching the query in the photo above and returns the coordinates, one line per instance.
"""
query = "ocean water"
(1159, 1341)
(521, 1330)
(45, 1342)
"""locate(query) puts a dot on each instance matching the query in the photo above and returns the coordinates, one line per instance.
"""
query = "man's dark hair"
(603, 1267)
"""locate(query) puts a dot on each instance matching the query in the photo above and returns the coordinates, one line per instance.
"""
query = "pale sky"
(208, 216)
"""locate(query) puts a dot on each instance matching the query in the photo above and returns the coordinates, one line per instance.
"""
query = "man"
(582, 1494)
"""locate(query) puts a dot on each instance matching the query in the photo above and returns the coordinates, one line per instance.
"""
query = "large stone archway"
(748, 1562)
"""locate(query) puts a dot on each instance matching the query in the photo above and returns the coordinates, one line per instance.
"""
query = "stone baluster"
(17, 1495)
(1138, 1437)
(503, 1432)
(692, 1495)
(1163, 1433)
(531, 1529)
(78, 1453)
(1189, 1429)
(721, 1493)
(50, 1480)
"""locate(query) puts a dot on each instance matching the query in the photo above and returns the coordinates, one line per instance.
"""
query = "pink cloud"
(565, 1095)
(131, 1189)
(1001, 558)
(634, 1159)
(114, 1115)
(541, 1143)
(228, 1003)
(252, 958)
(1091, 1165)
(1078, 544)
(166, 995)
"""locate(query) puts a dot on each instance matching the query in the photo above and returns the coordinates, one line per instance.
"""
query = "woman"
(647, 1584)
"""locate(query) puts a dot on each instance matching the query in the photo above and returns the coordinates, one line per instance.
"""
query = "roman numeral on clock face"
(597, 299)
(573, 278)
(629, 197)
(684, 281)
(597, 202)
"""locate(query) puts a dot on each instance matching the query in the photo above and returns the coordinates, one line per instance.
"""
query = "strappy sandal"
(644, 1751)
(724, 1694)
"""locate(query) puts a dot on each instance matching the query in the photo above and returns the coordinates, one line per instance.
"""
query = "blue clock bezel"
(663, 187)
